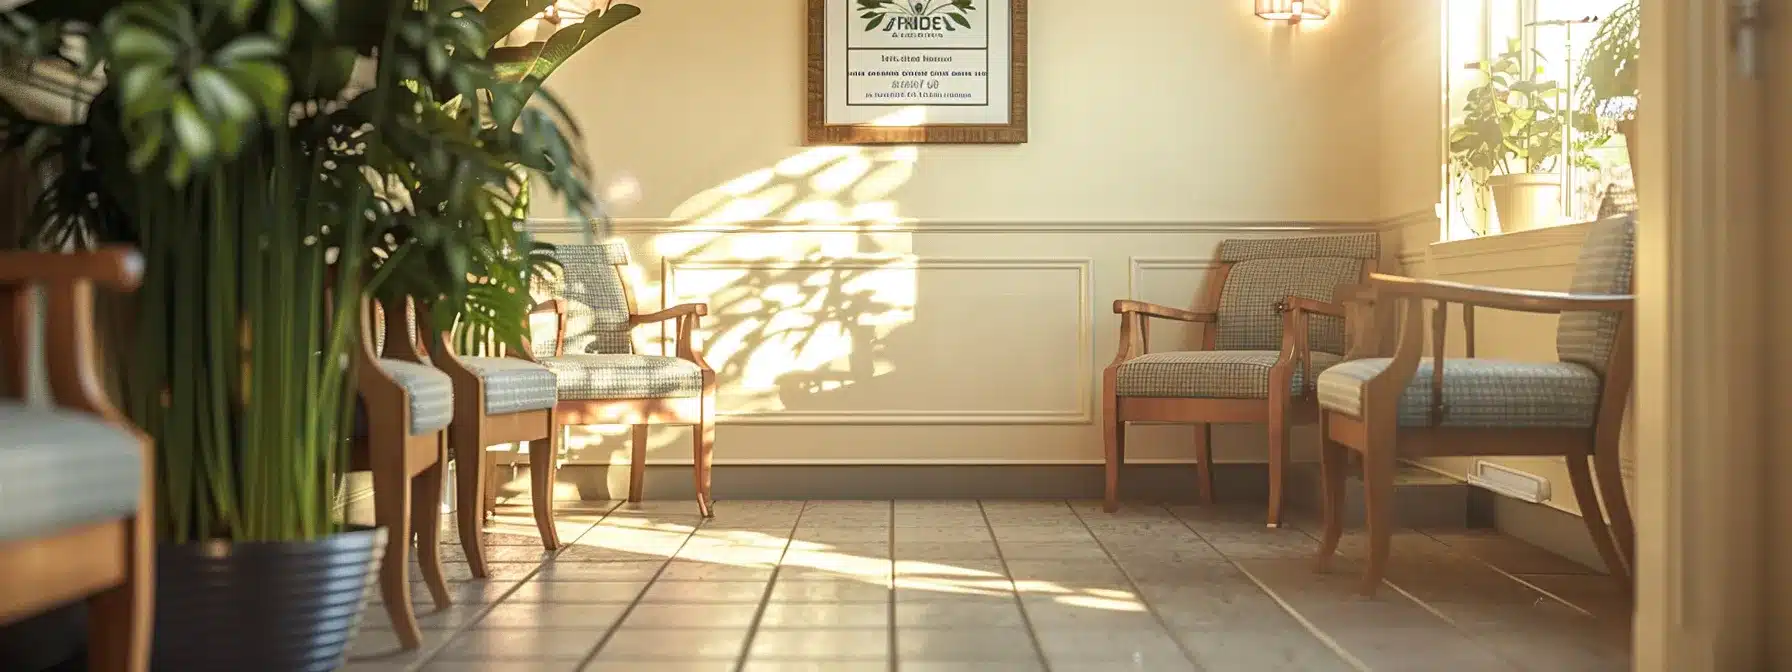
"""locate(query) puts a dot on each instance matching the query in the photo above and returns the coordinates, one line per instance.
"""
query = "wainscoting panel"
(917, 343)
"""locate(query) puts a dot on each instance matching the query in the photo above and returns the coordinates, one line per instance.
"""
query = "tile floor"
(993, 586)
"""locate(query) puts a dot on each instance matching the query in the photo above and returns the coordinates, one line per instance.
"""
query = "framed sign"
(917, 71)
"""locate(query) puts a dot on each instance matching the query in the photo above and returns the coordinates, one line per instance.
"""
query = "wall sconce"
(1294, 11)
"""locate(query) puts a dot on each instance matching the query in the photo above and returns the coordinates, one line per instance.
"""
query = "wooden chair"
(506, 399)
(1251, 366)
(603, 381)
(400, 435)
(77, 480)
(1408, 407)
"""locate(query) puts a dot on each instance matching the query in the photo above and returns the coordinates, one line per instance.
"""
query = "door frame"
(1701, 293)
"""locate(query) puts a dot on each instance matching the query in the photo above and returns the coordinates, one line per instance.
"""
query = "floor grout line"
(610, 633)
(486, 609)
(1155, 615)
(1014, 589)
(1311, 627)
(891, 626)
(765, 599)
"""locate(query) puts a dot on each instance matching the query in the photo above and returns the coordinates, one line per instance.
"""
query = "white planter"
(1527, 200)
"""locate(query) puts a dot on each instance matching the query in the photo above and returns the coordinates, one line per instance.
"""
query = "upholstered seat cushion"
(513, 385)
(60, 469)
(430, 390)
(1218, 374)
(1476, 393)
(625, 376)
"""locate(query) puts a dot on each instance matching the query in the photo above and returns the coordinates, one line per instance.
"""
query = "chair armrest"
(1520, 300)
(681, 310)
(1124, 306)
(117, 268)
(1305, 305)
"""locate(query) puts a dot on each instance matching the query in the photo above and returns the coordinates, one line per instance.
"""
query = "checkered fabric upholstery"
(1606, 261)
(1266, 271)
(430, 391)
(513, 385)
(61, 469)
(596, 303)
(625, 376)
(1476, 393)
(1229, 374)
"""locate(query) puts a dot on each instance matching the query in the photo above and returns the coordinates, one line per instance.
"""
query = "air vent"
(1509, 482)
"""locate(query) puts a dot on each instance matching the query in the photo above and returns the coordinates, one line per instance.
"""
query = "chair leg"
(637, 464)
(469, 500)
(392, 510)
(1378, 493)
(703, 451)
(491, 483)
(1609, 471)
(1278, 455)
(1581, 479)
(426, 519)
(1204, 461)
(543, 454)
(1113, 435)
(120, 618)
(1332, 468)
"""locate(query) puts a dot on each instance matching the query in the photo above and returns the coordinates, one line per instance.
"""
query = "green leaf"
(564, 44)
(146, 146)
(196, 141)
(281, 18)
(959, 19)
(873, 24)
(503, 16)
(322, 11)
(247, 47)
(217, 92)
(266, 82)
(134, 43)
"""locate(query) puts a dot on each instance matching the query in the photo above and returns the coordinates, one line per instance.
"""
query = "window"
(1535, 89)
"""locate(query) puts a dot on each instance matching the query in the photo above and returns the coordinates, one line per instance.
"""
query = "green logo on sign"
(893, 15)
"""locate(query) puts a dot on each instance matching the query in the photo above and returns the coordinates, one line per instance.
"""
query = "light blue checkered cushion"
(430, 391)
(513, 385)
(625, 376)
(1476, 392)
(1222, 374)
(60, 469)
(1606, 261)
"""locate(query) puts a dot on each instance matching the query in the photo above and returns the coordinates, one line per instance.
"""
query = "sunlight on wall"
(800, 309)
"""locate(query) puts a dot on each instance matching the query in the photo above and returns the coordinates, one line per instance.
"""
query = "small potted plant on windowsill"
(1510, 140)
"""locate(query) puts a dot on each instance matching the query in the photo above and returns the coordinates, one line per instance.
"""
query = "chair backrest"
(598, 304)
(1260, 273)
(1607, 262)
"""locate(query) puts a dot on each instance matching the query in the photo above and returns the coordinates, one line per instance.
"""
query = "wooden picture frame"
(833, 119)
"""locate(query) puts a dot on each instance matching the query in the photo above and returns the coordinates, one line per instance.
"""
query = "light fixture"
(1294, 11)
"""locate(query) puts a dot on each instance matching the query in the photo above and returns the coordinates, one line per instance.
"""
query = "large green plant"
(270, 189)
(1607, 85)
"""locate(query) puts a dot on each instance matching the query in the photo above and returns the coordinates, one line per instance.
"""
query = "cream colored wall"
(1147, 110)
(952, 304)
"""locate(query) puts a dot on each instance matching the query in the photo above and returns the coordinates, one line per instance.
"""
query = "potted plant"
(1608, 75)
(1510, 139)
(268, 189)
